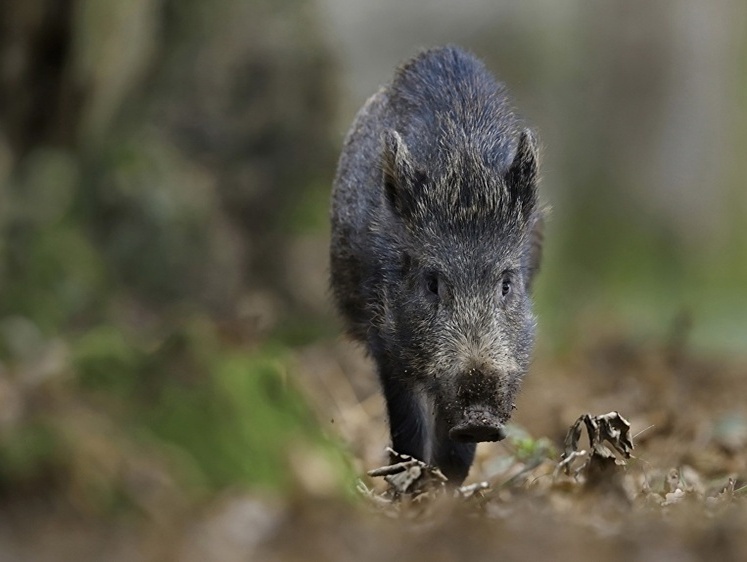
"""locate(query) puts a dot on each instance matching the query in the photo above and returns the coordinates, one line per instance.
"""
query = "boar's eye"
(505, 285)
(432, 284)
(435, 286)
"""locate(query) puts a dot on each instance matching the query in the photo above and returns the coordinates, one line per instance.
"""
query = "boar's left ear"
(521, 178)
(533, 255)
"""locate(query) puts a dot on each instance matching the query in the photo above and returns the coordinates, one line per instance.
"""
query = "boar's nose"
(477, 427)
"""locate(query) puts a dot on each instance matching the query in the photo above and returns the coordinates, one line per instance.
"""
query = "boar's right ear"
(521, 177)
(400, 175)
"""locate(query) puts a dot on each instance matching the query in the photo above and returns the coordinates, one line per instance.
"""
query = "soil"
(664, 476)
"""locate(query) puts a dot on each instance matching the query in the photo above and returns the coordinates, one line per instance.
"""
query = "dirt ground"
(681, 495)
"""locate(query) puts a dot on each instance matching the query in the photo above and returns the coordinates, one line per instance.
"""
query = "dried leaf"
(608, 429)
(409, 476)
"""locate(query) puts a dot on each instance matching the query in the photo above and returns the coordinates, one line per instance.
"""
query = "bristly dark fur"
(434, 215)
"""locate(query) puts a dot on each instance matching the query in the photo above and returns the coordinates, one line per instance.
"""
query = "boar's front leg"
(415, 432)
(454, 459)
(408, 425)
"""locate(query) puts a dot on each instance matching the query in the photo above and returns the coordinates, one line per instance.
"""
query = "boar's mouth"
(477, 426)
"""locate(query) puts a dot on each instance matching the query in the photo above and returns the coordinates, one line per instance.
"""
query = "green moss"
(239, 421)
(106, 361)
(27, 454)
(54, 274)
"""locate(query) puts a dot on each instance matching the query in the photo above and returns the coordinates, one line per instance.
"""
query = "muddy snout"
(477, 426)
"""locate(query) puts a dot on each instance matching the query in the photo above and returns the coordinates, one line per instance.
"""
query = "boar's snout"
(477, 426)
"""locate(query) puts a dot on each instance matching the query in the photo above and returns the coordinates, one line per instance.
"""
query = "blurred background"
(165, 169)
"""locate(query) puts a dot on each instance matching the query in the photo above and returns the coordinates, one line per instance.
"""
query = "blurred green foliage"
(232, 417)
(527, 448)
(157, 159)
(27, 453)
(237, 421)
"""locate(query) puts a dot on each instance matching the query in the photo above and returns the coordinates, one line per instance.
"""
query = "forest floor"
(680, 492)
